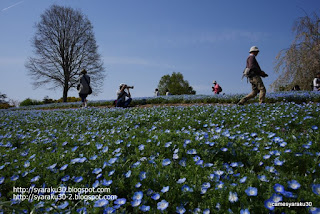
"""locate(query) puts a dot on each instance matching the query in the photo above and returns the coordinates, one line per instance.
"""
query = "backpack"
(247, 73)
(220, 89)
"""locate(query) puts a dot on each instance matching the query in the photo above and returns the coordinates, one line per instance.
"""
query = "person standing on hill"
(216, 88)
(255, 77)
(84, 87)
(316, 82)
(156, 92)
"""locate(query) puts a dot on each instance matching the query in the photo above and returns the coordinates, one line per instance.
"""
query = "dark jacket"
(254, 66)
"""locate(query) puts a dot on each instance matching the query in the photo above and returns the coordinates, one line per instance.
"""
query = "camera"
(130, 87)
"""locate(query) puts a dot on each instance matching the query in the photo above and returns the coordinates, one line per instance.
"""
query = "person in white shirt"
(156, 92)
(316, 82)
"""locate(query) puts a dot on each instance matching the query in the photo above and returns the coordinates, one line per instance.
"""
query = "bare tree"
(64, 44)
(299, 64)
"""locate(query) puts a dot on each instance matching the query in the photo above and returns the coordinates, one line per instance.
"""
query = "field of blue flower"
(196, 159)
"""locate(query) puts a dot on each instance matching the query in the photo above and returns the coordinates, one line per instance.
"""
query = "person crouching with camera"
(122, 94)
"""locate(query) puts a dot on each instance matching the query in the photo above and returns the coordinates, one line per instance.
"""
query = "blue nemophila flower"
(316, 189)
(242, 180)
(277, 162)
(192, 152)
(141, 147)
(180, 210)
(234, 164)
(288, 194)
(97, 171)
(149, 192)
(219, 185)
(1, 180)
(276, 198)
(175, 156)
(78, 160)
(78, 179)
(244, 211)
(14, 177)
(165, 189)
(224, 149)
(111, 172)
(136, 164)
(143, 175)
(65, 178)
(183, 162)
(251, 191)
(199, 162)
(63, 167)
(186, 188)
(233, 197)
(145, 208)
(137, 196)
(263, 178)
(268, 204)
(314, 127)
(162, 205)
(138, 185)
(168, 144)
(26, 164)
(266, 156)
(203, 191)
(109, 210)
(101, 203)
(105, 149)
(96, 184)
(135, 203)
(219, 172)
(99, 146)
(34, 179)
(155, 196)
(166, 162)
(112, 160)
(74, 148)
(206, 211)
(314, 210)
(63, 205)
(128, 174)
(94, 157)
(120, 201)
(106, 183)
(293, 184)
(278, 188)
(181, 180)
(208, 165)
(206, 185)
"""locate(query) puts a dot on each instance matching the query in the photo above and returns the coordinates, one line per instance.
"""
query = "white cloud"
(7, 8)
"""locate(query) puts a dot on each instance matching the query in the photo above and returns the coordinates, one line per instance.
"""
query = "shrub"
(30, 102)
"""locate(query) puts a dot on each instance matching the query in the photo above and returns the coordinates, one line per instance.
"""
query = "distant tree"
(64, 44)
(175, 83)
(299, 64)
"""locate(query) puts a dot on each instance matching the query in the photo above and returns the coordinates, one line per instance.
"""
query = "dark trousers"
(123, 104)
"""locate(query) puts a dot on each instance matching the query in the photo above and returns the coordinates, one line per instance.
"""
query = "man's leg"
(127, 103)
(262, 90)
(253, 93)
(119, 103)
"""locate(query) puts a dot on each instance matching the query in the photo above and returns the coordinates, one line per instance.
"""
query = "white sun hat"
(254, 49)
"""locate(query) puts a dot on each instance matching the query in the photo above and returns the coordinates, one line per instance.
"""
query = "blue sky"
(142, 40)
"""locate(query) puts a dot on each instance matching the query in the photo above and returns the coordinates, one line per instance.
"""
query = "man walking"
(255, 77)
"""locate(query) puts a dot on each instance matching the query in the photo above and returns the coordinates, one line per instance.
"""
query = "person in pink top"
(216, 88)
